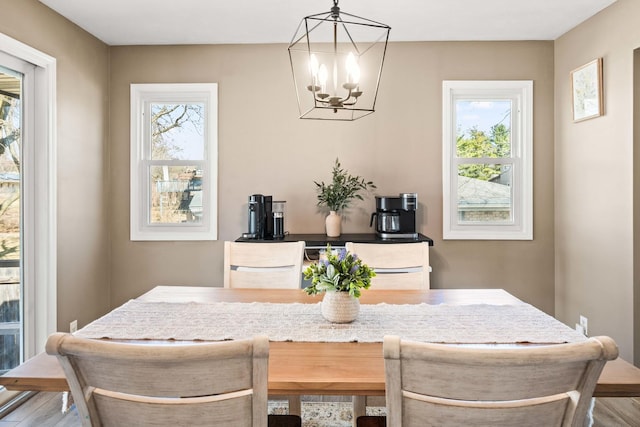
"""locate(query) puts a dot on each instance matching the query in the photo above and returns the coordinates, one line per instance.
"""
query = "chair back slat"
(234, 412)
(263, 265)
(395, 281)
(264, 278)
(424, 414)
(397, 265)
(133, 370)
(548, 385)
(548, 379)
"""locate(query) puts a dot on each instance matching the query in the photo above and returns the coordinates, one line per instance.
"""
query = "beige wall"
(265, 148)
(594, 180)
(82, 99)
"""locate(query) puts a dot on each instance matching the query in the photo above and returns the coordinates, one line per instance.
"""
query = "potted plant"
(341, 276)
(337, 195)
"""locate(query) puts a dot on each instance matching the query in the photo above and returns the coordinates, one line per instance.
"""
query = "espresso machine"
(395, 217)
(260, 223)
(266, 218)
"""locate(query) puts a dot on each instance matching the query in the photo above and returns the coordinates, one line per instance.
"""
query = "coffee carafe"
(395, 217)
(278, 213)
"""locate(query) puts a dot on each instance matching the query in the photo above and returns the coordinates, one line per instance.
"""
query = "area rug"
(324, 414)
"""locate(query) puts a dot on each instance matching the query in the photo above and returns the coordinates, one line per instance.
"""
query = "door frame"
(40, 215)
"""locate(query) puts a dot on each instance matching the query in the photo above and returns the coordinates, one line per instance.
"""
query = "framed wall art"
(586, 88)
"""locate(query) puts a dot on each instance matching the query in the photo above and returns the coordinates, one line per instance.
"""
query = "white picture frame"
(586, 90)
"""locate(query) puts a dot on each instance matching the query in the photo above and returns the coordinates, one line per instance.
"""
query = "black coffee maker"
(395, 217)
(266, 218)
(260, 217)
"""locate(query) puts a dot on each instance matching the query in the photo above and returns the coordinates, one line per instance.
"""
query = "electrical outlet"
(73, 326)
(585, 324)
(579, 328)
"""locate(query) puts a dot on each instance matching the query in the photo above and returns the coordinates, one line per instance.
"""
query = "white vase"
(333, 224)
(340, 307)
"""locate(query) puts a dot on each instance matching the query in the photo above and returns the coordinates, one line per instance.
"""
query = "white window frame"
(142, 95)
(521, 94)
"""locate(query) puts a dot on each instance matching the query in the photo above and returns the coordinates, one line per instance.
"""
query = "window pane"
(483, 129)
(484, 194)
(10, 176)
(176, 195)
(10, 147)
(177, 131)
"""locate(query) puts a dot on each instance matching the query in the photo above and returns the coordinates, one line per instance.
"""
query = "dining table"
(351, 364)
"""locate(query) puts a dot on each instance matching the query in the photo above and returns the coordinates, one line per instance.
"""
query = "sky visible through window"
(482, 114)
(183, 138)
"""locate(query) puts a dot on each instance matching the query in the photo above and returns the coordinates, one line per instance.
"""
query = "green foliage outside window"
(475, 143)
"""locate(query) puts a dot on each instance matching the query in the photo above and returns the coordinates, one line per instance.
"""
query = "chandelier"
(336, 61)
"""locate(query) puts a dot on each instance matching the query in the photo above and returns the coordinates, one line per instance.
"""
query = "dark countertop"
(321, 240)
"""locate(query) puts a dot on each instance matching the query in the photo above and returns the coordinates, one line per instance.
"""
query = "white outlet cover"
(585, 324)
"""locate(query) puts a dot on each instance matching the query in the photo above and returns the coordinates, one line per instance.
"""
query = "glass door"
(11, 291)
(27, 204)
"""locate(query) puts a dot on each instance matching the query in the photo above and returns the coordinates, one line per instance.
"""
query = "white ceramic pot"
(340, 307)
(333, 224)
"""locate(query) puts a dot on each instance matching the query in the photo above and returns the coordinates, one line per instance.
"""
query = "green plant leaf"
(341, 271)
(342, 190)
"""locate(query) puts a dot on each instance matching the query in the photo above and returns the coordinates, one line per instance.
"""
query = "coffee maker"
(260, 222)
(266, 218)
(395, 217)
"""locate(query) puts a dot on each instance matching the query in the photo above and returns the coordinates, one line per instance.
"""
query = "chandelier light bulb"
(355, 74)
(313, 65)
(352, 69)
(322, 77)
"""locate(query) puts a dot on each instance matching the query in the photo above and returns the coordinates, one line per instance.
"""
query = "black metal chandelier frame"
(322, 99)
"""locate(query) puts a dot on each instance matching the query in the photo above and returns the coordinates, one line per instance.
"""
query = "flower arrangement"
(343, 188)
(341, 272)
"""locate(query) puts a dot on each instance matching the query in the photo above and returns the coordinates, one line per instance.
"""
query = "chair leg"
(295, 406)
(293, 401)
(359, 408)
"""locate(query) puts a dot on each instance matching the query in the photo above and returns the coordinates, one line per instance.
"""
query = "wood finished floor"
(43, 410)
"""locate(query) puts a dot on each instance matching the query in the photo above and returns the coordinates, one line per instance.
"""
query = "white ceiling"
(133, 22)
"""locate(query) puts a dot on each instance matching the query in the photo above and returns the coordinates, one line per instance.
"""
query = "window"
(487, 160)
(173, 161)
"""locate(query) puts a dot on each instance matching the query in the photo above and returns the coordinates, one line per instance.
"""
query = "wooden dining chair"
(119, 384)
(397, 265)
(448, 385)
(267, 266)
(263, 265)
